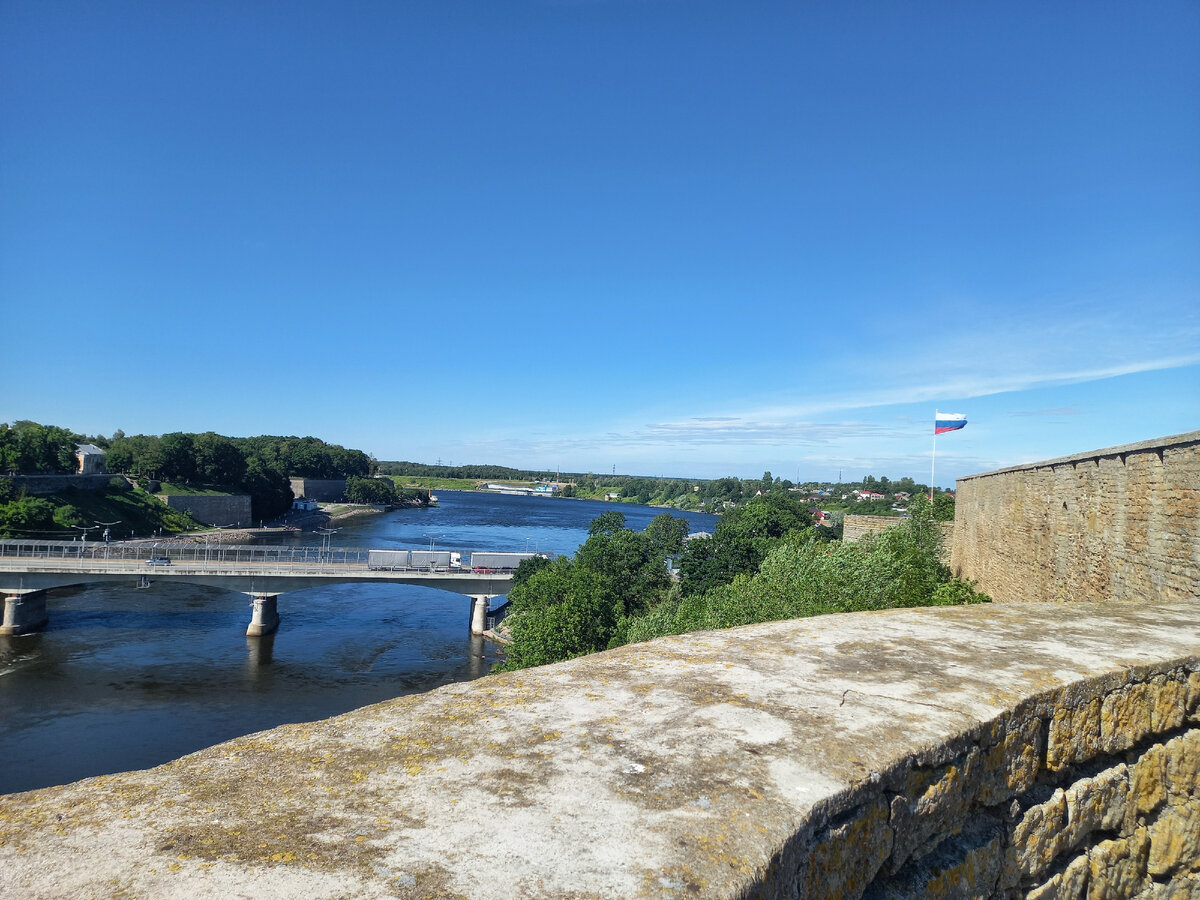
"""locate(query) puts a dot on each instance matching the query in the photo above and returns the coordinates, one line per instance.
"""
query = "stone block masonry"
(325, 490)
(213, 509)
(1120, 523)
(53, 484)
(1040, 750)
(857, 527)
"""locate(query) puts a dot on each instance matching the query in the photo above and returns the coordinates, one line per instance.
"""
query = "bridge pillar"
(24, 612)
(266, 614)
(479, 611)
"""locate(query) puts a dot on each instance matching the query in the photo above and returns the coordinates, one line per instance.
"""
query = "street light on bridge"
(85, 529)
(327, 541)
(106, 525)
(206, 535)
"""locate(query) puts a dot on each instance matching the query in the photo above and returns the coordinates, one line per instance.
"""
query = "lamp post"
(327, 541)
(85, 529)
(206, 535)
(106, 525)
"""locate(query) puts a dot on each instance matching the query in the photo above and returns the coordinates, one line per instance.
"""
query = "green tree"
(562, 611)
(607, 522)
(743, 537)
(637, 573)
(26, 517)
(527, 569)
(943, 508)
(67, 516)
(666, 533)
(217, 460)
(31, 448)
(371, 490)
(178, 457)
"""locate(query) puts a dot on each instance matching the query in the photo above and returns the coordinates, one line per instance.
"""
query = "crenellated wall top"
(1163, 443)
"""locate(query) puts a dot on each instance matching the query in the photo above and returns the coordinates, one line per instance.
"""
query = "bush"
(807, 576)
(67, 516)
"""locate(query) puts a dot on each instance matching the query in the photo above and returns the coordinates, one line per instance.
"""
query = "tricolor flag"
(944, 422)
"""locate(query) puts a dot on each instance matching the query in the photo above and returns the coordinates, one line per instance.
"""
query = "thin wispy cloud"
(967, 387)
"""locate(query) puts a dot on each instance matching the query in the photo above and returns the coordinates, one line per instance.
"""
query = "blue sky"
(680, 238)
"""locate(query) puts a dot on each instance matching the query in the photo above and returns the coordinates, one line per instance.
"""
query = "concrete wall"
(52, 484)
(1032, 750)
(213, 509)
(1120, 523)
(327, 490)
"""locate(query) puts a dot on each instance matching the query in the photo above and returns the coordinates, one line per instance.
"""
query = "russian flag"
(944, 422)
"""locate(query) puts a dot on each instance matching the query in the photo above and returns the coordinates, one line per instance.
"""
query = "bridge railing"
(180, 552)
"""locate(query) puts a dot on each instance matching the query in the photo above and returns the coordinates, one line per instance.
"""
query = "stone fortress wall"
(324, 490)
(213, 509)
(1119, 523)
(52, 484)
(855, 528)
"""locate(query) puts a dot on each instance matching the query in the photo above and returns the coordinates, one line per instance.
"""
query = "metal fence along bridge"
(28, 568)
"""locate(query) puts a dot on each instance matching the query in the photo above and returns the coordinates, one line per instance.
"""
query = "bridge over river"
(29, 568)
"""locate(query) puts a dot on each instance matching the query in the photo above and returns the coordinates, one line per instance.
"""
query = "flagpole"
(933, 460)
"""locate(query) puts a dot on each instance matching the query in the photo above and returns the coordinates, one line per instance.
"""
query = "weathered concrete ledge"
(1040, 750)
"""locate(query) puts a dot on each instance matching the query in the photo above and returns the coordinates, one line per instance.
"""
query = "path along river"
(125, 678)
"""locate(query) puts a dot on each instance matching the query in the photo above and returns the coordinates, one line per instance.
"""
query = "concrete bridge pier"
(266, 614)
(24, 611)
(479, 611)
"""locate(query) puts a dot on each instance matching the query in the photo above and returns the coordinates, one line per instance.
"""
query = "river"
(125, 678)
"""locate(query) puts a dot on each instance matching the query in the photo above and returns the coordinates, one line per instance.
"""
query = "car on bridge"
(159, 561)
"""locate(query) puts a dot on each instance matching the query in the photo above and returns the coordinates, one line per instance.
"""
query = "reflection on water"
(126, 678)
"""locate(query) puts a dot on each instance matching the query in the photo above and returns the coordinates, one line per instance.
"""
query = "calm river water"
(125, 678)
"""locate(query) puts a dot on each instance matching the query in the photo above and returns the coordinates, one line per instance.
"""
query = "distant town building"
(303, 504)
(91, 459)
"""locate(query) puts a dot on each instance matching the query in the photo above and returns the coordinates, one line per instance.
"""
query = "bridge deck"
(36, 565)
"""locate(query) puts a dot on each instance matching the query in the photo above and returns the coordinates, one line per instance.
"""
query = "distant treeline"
(478, 473)
(258, 466)
(712, 494)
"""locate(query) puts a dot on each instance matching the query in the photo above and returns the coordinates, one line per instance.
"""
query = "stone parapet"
(1114, 524)
(1038, 751)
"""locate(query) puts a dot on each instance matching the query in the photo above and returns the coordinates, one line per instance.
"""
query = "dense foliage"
(259, 466)
(32, 449)
(742, 540)
(72, 512)
(371, 490)
(804, 575)
(570, 607)
(763, 564)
